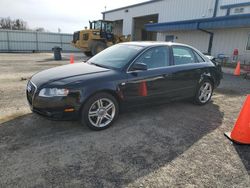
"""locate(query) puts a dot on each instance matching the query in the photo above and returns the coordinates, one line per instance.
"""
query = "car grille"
(30, 90)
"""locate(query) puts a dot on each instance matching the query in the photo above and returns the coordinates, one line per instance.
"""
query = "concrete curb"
(229, 70)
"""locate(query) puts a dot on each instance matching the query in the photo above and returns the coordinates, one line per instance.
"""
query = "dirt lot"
(172, 145)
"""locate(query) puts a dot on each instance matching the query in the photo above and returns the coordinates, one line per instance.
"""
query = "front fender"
(95, 88)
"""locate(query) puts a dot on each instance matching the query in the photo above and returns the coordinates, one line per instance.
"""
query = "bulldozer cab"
(105, 28)
(102, 25)
(98, 37)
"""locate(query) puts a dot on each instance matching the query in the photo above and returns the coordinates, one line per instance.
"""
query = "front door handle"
(168, 75)
(198, 70)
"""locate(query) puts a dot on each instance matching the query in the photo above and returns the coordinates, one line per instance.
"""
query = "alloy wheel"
(102, 112)
(205, 92)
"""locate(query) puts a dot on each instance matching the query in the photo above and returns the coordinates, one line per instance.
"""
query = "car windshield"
(115, 57)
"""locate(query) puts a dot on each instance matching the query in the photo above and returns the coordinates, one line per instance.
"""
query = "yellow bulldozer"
(98, 37)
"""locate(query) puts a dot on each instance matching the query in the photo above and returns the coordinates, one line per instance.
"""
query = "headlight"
(53, 92)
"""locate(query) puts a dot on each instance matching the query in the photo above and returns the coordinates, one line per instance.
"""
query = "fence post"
(37, 41)
(8, 40)
(61, 39)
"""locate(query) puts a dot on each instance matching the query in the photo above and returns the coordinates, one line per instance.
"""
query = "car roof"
(146, 44)
(153, 43)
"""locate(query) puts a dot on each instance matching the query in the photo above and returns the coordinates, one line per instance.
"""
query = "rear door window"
(183, 55)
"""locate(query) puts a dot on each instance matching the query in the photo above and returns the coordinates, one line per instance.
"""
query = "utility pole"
(103, 16)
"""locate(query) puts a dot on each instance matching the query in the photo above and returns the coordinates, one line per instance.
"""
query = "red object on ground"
(241, 131)
(236, 52)
(237, 69)
(71, 59)
(143, 89)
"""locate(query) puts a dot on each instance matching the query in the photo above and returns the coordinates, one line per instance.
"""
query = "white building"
(213, 26)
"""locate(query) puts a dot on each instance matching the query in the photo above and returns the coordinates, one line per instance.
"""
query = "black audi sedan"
(124, 75)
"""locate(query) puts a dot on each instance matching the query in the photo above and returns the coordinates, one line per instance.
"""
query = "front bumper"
(55, 115)
(57, 108)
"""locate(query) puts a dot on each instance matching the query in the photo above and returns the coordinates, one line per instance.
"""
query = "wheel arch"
(207, 76)
(109, 91)
(204, 78)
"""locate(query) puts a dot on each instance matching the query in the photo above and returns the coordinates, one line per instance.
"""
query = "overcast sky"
(68, 15)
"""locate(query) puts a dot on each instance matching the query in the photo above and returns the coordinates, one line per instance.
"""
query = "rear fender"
(207, 76)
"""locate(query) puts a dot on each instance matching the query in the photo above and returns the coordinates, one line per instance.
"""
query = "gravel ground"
(172, 145)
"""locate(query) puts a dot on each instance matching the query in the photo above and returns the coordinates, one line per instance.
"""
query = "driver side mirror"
(139, 66)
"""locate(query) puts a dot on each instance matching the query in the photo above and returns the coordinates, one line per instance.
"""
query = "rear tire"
(100, 111)
(204, 92)
(97, 46)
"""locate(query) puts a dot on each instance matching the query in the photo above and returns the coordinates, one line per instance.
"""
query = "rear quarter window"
(199, 59)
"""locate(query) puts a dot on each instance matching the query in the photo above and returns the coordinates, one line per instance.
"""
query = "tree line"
(16, 24)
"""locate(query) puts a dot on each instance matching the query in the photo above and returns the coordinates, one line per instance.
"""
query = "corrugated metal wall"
(12, 41)
(196, 39)
(179, 10)
(168, 10)
(127, 16)
(222, 12)
(226, 40)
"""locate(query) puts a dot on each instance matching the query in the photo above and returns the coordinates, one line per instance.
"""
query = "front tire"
(100, 111)
(204, 92)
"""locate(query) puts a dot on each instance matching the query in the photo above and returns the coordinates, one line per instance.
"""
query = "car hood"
(64, 72)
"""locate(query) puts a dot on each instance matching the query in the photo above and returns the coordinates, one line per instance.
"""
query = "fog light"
(69, 110)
